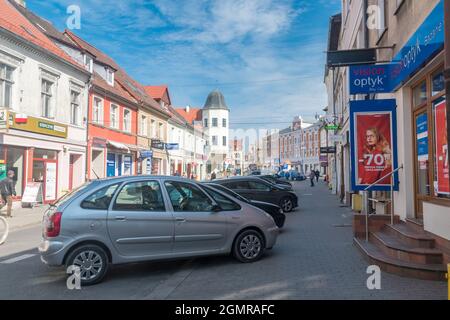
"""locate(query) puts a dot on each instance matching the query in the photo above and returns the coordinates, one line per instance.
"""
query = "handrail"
(381, 179)
(390, 174)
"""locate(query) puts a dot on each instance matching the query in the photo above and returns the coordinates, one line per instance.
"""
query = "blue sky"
(266, 56)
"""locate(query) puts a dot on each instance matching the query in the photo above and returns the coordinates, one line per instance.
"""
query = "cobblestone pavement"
(314, 258)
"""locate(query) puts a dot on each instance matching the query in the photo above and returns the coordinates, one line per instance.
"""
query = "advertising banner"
(370, 79)
(441, 156)
(374, 145)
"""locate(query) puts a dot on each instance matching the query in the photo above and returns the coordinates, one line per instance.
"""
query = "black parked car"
(254, 188)
(275, 180)
(274, 210)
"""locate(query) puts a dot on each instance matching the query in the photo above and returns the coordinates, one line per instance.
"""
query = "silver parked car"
(144, 218)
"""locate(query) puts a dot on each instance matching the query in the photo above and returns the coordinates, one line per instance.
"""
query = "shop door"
(71, 162)
(422, 164)
(111, 165)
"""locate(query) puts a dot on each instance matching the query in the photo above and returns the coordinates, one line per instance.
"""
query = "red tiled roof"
(194, 114)
(134, 88)
(156, 92)
(117, 89)
(99, 56)
(13, 21)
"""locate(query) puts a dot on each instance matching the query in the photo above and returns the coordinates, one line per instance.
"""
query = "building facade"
(43, 108)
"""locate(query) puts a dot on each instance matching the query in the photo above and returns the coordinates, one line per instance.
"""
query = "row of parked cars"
(145, 218)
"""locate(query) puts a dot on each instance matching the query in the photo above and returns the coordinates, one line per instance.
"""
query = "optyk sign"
(369, 79)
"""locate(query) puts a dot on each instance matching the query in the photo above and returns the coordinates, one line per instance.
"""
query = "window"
(437, 83)
(254, 185)
(114, 121)
(88, 63)
(143, 126)
(224, 123)
(237, 185)
(225, 203)
(126, 120)
(441, 152)
(47, 98)
(187, 197)
(224, 141)
(97, 111)
(110, 77)
(140, 196)
(160, 130)
(382, 18)
(214, 122)
(420, 94)
(6, 84)
(75, 108)
(214, 140)
(153, 128)
(205, 123)
(101, 199)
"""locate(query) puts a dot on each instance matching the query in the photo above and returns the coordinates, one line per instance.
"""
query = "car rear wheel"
(92, 261)
(286, 204)
(249, 246)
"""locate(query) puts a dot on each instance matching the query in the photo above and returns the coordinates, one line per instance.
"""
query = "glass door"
(422, 164)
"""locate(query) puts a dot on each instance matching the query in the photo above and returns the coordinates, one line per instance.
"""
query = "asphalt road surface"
(314, 258)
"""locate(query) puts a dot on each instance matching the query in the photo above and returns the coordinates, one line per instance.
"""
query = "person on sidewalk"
(213, 176)
(8, 190)
(317, 175)
(312, 176)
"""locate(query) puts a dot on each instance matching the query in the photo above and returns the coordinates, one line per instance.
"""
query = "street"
(314, 258)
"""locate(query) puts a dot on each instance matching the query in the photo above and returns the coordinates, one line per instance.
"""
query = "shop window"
(12, 158)
(6, 84)
(420, 94)
(422, 150)
(140, 196)
(441, 153)
(437, 82)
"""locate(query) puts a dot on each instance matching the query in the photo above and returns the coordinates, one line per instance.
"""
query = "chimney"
(21, 3)
(187, 108)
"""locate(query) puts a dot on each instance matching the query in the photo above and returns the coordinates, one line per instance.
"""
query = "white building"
(215, 118)
(43, 108)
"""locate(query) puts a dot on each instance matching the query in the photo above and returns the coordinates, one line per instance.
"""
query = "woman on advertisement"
(375, 160)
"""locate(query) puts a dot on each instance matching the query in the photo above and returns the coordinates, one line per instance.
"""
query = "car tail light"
(53, 225)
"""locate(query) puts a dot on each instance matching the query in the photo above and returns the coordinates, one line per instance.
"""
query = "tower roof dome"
(215, 100)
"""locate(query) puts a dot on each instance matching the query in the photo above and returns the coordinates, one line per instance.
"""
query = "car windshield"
(228, 192)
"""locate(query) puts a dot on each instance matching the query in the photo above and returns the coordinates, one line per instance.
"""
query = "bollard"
(448, 280)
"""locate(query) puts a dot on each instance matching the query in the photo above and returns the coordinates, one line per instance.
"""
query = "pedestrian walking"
(317, 175)
(213, 175)
(8, 190)
(312, 176)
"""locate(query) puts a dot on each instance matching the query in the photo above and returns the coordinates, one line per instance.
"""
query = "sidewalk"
(24, 217)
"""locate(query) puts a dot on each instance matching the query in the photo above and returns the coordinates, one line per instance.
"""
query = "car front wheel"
(92, 262)
(248, 246)
(286, 204)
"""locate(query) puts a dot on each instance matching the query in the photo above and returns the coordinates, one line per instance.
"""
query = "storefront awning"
(118, 145)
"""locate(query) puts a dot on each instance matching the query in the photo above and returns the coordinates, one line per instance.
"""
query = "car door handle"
(180, 219)
(121, 218)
